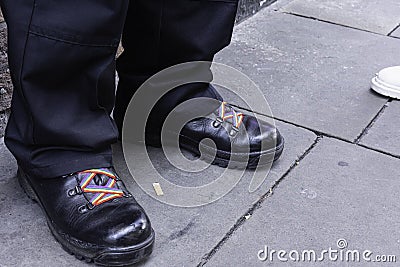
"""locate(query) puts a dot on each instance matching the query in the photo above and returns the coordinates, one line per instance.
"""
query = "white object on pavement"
(387, 82)
(157, 188)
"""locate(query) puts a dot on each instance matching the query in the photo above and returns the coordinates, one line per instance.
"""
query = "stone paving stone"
(184, 235)
(339, 191)
(370, 15)
(396, 33)
(313, 73)
(1, 17)
(385, 133)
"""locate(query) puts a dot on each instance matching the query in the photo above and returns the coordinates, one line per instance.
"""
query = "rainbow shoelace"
(102, 193)
(236, 118)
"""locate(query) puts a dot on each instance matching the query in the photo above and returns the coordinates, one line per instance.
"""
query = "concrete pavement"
(338, 179)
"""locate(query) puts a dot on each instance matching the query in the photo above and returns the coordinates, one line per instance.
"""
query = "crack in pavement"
(257, 205)
(364, 132)
(320, 136)
(324, 134)
(395, 28)
(338, 24)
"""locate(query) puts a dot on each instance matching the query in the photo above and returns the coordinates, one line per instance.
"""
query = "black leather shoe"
(93, 216)
(240, 140)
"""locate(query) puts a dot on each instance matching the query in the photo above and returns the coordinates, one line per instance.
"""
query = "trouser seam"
(71, 42)
(20, 76)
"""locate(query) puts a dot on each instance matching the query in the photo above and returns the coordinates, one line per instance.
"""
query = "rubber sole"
(226, 159)
(87, 252)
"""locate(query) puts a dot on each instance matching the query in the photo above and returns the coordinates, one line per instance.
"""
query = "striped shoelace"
(102, 193)
(235, 118)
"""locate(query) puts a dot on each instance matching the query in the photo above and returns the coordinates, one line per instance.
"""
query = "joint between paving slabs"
(319, 133)
(364, 132)
(391, 32)
(257, 204)
(334, 23)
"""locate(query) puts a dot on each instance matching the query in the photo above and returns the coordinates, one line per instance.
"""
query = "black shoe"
(240, 139)
(93, 216)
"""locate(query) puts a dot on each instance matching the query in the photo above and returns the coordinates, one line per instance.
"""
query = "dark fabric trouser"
(62, 63)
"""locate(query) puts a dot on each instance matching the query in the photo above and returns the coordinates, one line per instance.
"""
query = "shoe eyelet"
(71, 192)
(233, 131)
(217, 122)
(85, 208)
(121, 186)
(82, 209)
(90, 206)
(75, 191)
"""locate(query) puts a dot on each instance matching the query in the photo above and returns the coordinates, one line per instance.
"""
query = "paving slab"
(370, 15)
(338, 191)
(313, 73)
(190, 233)
(385, 132)
(396, 33)
(184, 235)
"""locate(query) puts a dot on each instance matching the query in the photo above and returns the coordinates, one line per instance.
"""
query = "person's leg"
(62, 62)
(159, 34)
(61, 56)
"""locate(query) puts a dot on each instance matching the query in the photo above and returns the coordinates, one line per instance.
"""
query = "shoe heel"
(23, 181)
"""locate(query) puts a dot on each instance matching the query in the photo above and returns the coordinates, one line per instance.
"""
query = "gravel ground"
(250, 7)
(5, 80)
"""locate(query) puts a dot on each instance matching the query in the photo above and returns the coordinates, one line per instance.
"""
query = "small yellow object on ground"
(157, 188)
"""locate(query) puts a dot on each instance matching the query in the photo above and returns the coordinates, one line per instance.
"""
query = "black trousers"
(62, 63)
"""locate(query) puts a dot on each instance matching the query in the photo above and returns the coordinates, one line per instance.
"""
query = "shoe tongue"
(100, 179)
(99, 185)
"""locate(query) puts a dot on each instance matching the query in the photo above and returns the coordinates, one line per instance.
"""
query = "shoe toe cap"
(262, 135)
(129, 228)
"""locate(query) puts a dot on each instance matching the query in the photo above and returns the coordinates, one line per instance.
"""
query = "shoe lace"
(227, 113)
(93, 182)
(103, 193)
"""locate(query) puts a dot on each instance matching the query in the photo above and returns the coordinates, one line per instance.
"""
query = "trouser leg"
(62, 63)
(159, 34)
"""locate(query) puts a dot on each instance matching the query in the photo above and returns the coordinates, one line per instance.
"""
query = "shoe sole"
(227, 159)
(89, 252)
